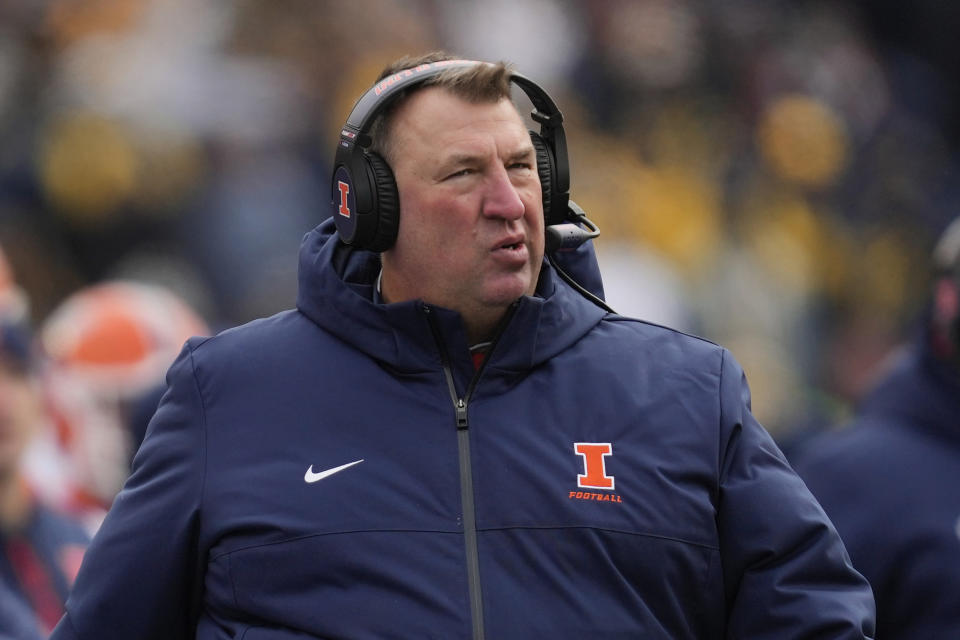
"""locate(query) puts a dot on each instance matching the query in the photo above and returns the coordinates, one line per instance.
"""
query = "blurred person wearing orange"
(890, 479)
(107, 347)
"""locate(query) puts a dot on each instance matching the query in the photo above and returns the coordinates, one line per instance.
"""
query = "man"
(449, 440)
(889, 480)
(40, 549)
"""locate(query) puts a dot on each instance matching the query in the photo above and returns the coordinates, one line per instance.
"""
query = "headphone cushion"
(545, 170)
(387, 207)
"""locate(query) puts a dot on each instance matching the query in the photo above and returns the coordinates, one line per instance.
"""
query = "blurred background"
(768, 174)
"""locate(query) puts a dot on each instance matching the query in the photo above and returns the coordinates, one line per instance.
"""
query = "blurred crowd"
(768, 174)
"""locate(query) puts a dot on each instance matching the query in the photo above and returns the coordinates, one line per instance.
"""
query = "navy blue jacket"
(342, 471)
(891, 483)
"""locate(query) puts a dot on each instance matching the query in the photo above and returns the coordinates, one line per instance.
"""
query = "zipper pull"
(461, 414)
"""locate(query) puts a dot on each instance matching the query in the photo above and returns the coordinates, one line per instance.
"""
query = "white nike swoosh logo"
(310, 476)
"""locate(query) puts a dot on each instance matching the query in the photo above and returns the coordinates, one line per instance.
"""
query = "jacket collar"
(336, 292)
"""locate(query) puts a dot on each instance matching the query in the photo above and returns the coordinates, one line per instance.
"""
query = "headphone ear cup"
(545, 170)
(386, 219)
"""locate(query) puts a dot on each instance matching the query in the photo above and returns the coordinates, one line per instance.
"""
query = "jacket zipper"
(460, 406)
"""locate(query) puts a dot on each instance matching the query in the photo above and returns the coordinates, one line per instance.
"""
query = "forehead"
(437, 116)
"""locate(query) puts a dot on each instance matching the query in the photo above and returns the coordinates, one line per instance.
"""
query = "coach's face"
(471, 215)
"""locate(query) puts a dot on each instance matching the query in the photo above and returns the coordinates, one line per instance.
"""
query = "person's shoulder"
(860, 446)
(666, 342)
(261, 337)
(654, 331)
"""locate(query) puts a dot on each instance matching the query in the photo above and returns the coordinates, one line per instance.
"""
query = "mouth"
(513, 243)
(511, 253)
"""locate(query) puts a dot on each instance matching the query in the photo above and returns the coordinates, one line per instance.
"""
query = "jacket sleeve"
(786, 572)
(141, 576)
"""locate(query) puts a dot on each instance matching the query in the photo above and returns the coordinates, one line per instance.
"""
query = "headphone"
(364, 199)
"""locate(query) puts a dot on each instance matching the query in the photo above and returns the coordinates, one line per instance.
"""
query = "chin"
(502, 296)
(505, 287)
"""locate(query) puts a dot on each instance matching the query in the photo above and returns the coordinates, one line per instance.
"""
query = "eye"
(461, 173)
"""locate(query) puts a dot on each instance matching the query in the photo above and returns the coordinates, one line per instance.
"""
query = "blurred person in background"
(107, 347)
(452, 437)
(40, 548)
(889, 479)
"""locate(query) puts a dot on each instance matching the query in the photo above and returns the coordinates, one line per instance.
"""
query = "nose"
(502, 200)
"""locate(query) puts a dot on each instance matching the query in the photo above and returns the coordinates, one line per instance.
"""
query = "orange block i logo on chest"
(594, 476)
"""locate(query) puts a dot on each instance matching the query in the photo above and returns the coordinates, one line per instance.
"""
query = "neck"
(480, 321)
(480, 327)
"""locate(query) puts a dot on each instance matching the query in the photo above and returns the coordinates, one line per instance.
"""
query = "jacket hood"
(336, 284)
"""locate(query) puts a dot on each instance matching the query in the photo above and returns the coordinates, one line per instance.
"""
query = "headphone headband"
(379, 95)
(362, 179)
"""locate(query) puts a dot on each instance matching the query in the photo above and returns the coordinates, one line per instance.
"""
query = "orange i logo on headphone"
(344, 202)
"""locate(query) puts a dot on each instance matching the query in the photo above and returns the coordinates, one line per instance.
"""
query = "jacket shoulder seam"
(203, 428)
(627, 319)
